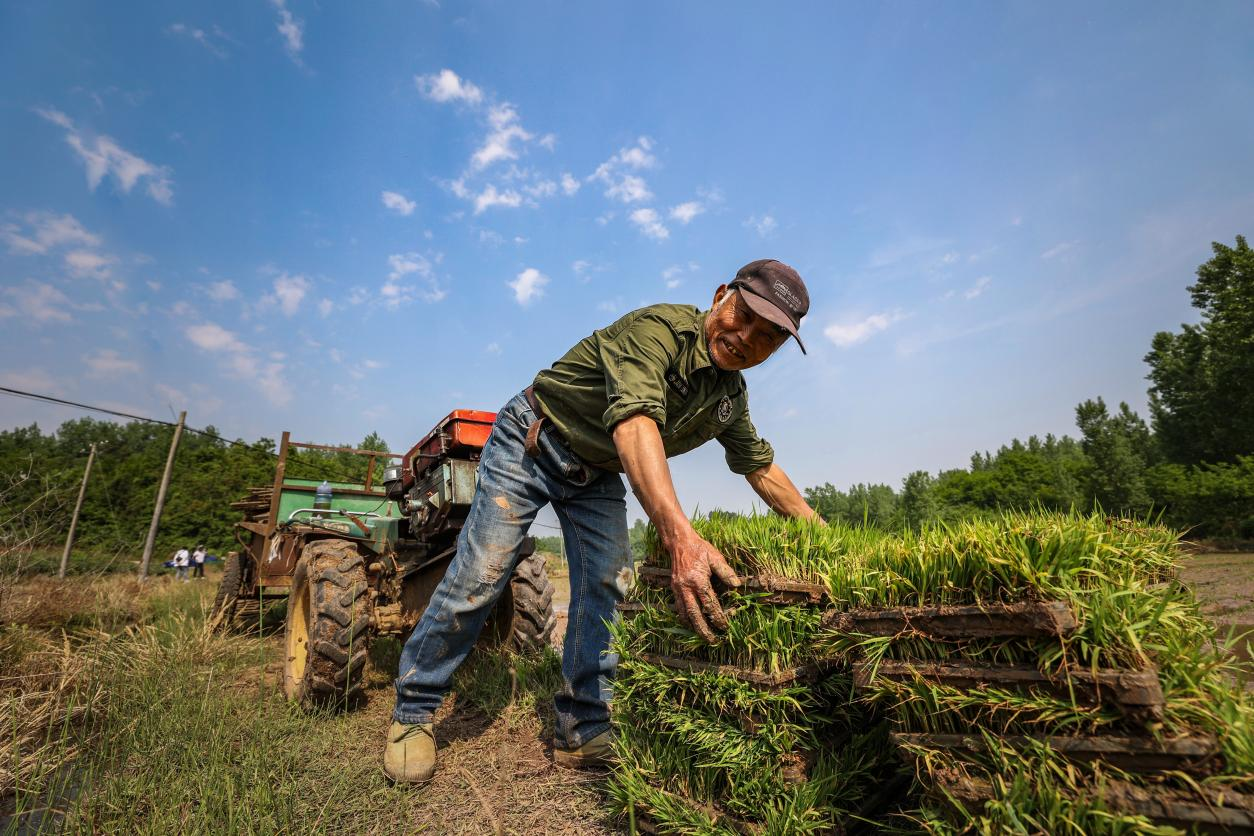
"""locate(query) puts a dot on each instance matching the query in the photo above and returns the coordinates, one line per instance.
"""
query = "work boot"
(410, 754)
(597, 753)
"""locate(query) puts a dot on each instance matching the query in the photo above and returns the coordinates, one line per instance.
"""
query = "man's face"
(738, 337)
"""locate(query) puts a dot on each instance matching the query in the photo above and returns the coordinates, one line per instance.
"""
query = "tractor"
(356, 560)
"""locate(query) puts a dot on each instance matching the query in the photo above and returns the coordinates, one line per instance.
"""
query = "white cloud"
(292, 29)
(541, 188)
(223, 291)
(32, 380)
(764, 225)
(580, 267)
(46, 231)
(491, 238)
(211, 40)
(325, 307)
(650, 224)
(615, 172)
(685, 212)
(87, 264)
(108, 363)
(213, 337)
(490, 197)
(629, 189)
(289, 291)
(406, 266)
(492, 348)
(447, 86)
(240, 361)
(852, 333)
(398, 203)
(104, 156)
(529, 285)
(569, 184)
(38, 301)
(1059, 249)
(981, 284)
(499, 145)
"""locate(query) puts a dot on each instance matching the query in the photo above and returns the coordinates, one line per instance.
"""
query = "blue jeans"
(512, 488)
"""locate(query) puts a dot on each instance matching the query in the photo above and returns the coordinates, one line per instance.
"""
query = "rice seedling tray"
(1024, 619)
(774, 589)
(779, 679)
(642, 817)
(1198, 754)
(1201, 809)
(1138, 694)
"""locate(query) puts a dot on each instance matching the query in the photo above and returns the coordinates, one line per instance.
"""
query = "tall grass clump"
(702, 751)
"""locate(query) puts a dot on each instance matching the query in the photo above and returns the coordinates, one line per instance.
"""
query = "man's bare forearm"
(643, 456)
(693, 560)
(779, 493)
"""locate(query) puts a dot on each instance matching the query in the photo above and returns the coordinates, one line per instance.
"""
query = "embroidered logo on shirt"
(677, 383)
(724, 410)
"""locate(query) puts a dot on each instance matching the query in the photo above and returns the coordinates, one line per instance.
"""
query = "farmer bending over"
(661, 381)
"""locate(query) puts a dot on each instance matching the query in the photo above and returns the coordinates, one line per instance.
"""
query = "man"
(181, 560)
(661, 381)
(198, 562)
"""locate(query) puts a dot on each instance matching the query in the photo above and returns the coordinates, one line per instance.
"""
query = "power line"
(35, 396)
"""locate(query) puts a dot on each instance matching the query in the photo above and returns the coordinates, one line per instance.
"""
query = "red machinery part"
(459, 435)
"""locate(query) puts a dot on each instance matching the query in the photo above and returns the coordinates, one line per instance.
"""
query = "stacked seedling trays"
(1037, 672)
(758, 733)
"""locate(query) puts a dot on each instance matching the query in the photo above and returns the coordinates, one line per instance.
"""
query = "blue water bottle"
(322, 497)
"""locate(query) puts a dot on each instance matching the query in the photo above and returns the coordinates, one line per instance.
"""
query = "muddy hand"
(693, 562)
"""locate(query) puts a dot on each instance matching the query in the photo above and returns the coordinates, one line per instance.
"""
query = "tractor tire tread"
(339, 638)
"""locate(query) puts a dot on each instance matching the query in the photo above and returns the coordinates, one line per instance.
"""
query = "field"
(122, 715)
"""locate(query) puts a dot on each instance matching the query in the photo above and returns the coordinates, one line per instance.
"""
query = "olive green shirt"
(654, 361)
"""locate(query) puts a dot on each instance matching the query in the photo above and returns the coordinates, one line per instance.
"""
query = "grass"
(131, 718)
(1119, 578)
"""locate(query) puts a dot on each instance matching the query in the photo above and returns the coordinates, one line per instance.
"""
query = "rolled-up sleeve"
(746, 450)
(635, 360)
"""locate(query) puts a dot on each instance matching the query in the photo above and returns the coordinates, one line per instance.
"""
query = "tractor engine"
(435, 482)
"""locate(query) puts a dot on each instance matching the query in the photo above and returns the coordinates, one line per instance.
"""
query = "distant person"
(198, 562)
(182, 559)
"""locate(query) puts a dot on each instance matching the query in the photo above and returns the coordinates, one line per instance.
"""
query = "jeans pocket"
(558, 459)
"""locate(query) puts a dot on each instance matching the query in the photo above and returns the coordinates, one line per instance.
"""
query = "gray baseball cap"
(775, 291)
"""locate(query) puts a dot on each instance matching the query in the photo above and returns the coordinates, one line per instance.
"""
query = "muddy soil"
(1224, 584)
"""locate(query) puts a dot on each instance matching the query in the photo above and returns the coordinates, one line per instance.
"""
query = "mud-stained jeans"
(512, 488)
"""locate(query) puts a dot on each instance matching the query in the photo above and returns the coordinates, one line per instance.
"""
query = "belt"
(532, 445)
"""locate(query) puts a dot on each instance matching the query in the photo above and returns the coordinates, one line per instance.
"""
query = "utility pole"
(165, 484)
(78, 506)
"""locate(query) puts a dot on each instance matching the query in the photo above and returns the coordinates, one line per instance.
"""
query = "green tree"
(1119, 449)
(917, 506)
(1201, 397)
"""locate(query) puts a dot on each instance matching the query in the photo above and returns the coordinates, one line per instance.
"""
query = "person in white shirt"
(182, 558)
(198, 562)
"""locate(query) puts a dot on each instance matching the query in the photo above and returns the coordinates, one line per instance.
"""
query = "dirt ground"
(1224, 584)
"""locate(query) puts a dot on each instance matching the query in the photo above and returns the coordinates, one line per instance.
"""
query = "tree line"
(1192, 463)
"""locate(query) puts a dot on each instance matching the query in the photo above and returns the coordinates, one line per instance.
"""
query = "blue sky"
(337, 218)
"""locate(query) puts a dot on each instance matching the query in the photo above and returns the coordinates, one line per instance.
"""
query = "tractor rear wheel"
(328, 619)
(230, 590)
(532, 592)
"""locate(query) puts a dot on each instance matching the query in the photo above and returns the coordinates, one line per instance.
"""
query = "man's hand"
(692, 559)
(693, 563)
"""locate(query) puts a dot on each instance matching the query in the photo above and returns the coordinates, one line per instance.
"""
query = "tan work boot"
(597, 753)
(410, 754)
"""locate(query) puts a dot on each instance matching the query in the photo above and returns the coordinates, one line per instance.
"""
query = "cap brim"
(770, 311)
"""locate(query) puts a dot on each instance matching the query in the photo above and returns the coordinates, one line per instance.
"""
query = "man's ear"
(719, 293)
